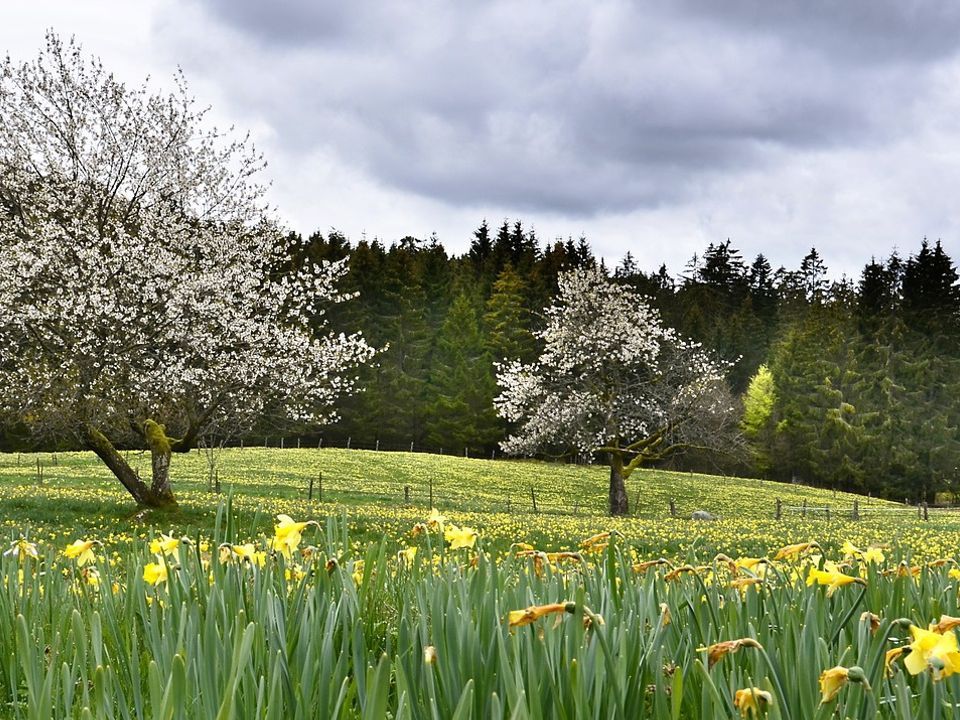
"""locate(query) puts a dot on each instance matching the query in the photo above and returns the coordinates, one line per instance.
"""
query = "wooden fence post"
(378, 444)
(431, 493)
(779, 510)
(320, 489)
(348, 442)
(673, 508)
(856, 510)
(804, 508)
(533, 496)
(925, 515)
(411, 446)
(406, 494)
(310, 489)
(298, 442)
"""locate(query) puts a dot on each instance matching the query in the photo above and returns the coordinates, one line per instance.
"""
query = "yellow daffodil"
(460, 537)
(833, 580)
(647, 564)
(751, 702)
(82, 550)
(795, 551)
(831, 682)
(23, 548)
(873, 619)
(665, 617)
(873, 555)
(165, 545)
(891, 656)
(946, 624)
(430, 655)
(358, 572)
(436, 520)
(406, 556)
(288, 533)
(932, 650)
(719, 650)
(155, 573)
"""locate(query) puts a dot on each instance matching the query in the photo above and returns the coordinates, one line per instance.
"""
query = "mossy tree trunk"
(619, 503)
(159, 493)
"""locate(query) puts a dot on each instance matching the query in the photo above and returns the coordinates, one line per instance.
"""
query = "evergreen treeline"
(847, 384)
(850, 384)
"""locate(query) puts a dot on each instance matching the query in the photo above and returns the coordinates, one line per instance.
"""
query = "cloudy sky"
(648, 126)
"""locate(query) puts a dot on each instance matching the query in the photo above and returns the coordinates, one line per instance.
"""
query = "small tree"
(144, 295)
(611, 379)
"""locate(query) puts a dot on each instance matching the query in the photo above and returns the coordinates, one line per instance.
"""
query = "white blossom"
(141, 271)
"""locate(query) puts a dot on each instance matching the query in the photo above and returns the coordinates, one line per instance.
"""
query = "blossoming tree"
(612, 379)
(144, 292)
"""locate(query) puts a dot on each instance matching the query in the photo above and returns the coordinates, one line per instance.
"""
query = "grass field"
(376, 612)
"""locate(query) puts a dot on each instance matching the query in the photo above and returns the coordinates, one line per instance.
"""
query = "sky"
(650, 127)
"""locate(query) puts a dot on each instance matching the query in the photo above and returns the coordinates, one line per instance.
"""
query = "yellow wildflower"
(719, 650)
(751, 702)
(82, 550)
(22, 548)
(430, 655)
(436, 519)
(165, 545)
(832, 579)
(518, 618)
(794, 551)
(831, 682)
(460, 537)
(932, 650)
(288, 533)
(155, 573)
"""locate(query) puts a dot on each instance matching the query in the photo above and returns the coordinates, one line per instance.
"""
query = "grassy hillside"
(78, 494)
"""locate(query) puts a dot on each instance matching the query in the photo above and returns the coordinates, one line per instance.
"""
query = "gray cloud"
(579, 108)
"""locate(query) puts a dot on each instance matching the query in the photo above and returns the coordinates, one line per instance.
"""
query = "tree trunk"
(160, 449)
(156, 496)
(619, 503)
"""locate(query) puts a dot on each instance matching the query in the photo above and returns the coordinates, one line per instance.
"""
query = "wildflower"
(892, 655)
(946, 624)
(873, 555)
(165, 545)
(82, 550)
(795, 551)
(752, 701)
(832, 579)
(436, 520)
(719, 650)
(932, 650)
(460, 537)
(430, 655)
(535, 612)
(91, 576)
(358, 572)
(665, 617)
(155, 573)
(406, 556)
(743, 583)
(954, 573)
(831, 682)
(873, 619)
(647, 564)
(22, 548)
(288, 533)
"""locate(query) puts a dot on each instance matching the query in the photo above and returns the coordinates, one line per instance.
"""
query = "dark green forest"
(849, 384)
